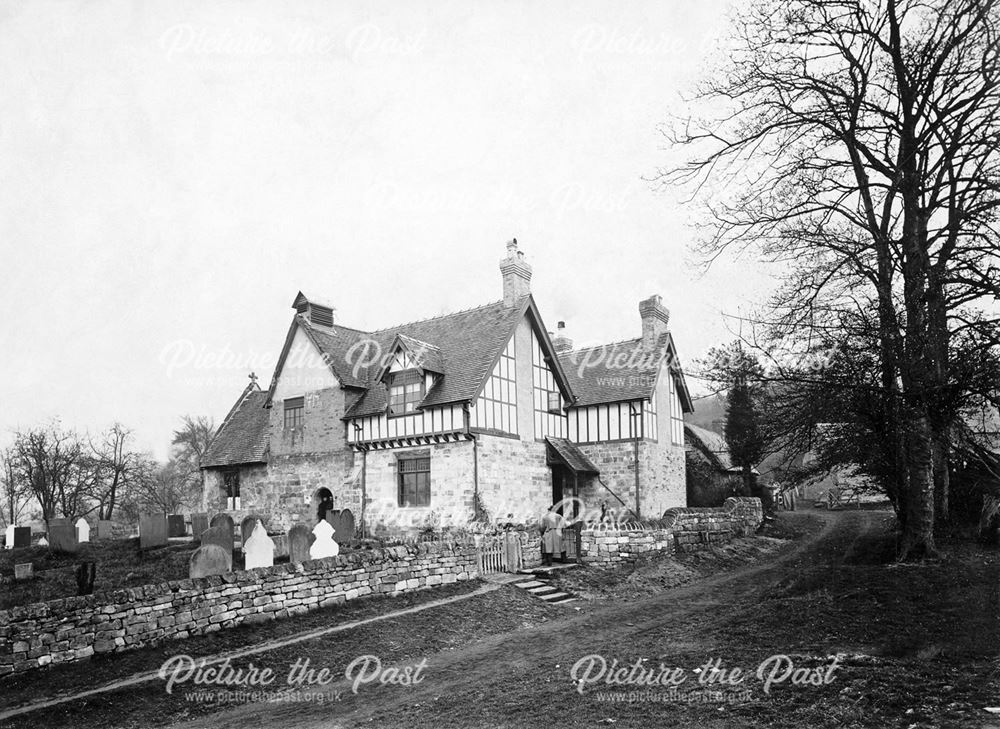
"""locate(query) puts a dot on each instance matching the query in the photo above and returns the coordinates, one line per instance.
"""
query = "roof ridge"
(607, 344)
(432, 318)
(325, 330)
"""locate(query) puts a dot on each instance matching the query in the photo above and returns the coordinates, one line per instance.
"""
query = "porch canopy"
(561, 452)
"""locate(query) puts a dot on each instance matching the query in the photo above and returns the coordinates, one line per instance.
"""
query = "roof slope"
(574, 458)
(243, 436)
(469, 342)
(710, 443)
(620, 371)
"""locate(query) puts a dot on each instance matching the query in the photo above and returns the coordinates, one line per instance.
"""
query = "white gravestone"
(8, 541)
(82, 530)
(324, 546)
(43, 542)
(259, 548)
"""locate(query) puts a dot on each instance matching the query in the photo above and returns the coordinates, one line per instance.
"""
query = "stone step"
(554, 596)
(544, 589)
(529, 584)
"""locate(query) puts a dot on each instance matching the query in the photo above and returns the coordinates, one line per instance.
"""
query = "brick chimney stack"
(516, 275)
(655, 318)
(560, 341)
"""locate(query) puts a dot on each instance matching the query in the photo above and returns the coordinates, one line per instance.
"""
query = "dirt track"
(524, 679)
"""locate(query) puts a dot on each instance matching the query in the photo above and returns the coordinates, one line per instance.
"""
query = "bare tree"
(47, 461)
(858, 148)
(15, 494)
(190, 443)
(119, 468)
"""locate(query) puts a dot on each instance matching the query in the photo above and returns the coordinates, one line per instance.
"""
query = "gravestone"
(223, 519)
(324, 546)
(62, 536)
(175, 526)
(199, 523)
(105, 529)
(152, 531)
(24, 571)
(258, 549)
(86, 572)
(343, 525)
(82, 532)
(210, 559)
(247, 527)
(43, 542)
(299, 538)
(22, 537)
(221, 536)
(8, 537)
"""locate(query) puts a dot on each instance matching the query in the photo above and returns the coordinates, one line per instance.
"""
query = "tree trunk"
(917, 540)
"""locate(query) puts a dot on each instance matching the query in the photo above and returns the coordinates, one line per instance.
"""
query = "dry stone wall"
(74, 628)
(680, 530)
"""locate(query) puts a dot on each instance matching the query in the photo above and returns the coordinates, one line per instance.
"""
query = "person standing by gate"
(552, 533)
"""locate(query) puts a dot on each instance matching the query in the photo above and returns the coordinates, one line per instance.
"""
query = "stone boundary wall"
(75, 628)
(681, 529)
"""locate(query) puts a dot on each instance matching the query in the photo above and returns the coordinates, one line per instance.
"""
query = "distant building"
(481, 413)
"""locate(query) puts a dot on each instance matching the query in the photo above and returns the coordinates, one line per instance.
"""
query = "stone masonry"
(75, 628)
(682, 529)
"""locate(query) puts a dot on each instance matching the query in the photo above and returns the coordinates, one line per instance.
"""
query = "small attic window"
(321, 315)
(406, 390)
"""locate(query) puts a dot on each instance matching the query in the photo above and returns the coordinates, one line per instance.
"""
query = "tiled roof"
(468, 343)
(571, 455)
(711, 444)
(335, 345)
(619, 371)
(426, 355)
(243, 436)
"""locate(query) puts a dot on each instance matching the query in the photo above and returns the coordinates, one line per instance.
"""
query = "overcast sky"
(171, 174)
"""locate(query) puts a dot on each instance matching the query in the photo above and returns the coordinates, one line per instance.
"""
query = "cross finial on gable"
(253, 378)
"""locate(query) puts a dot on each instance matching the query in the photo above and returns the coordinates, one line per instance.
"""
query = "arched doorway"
(321, 495)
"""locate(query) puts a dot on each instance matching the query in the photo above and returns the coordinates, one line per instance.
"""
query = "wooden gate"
(571, 536)
(500, 553)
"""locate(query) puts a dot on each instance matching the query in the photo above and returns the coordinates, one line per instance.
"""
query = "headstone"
(22, 537)
(85, 574)
(199, 523)
(247, 527)
(175, 526)
(152, 531)
(343, 526)
(105, 529)
(221, 536)
(8, 537)
(258, 549)
(82, 532)
(210, 559)
(324, 546)
(223, 519)
(43, 542)
(62, 537)
(24, 571)
(299, 538)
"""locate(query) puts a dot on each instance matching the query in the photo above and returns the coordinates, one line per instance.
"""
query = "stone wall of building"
(661, 476)
(681, 529)
(514, 479)
(301, 461)
(451, 488)
(75, 628)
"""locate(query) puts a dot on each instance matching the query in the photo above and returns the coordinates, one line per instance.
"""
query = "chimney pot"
(560, 342)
